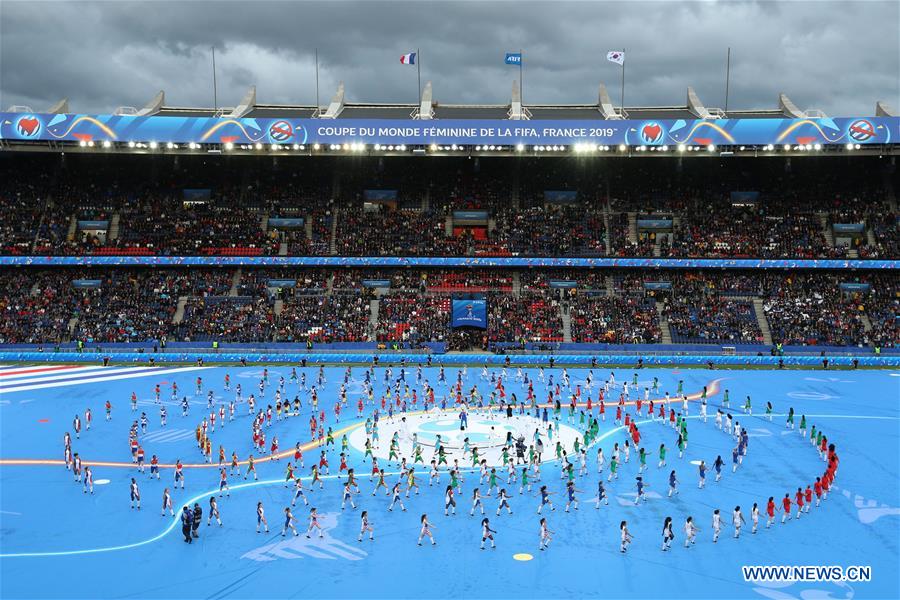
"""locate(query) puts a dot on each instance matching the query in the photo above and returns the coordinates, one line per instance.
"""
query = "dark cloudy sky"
(837, 56)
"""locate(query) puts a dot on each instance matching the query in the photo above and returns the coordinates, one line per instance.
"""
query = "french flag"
(408, 59)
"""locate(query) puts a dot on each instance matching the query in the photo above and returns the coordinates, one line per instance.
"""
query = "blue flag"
(514, 58)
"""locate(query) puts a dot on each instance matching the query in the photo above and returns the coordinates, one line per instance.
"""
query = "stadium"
(385, 350)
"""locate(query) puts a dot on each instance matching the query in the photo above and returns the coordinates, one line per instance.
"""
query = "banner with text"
(469, 313)
(221, 130)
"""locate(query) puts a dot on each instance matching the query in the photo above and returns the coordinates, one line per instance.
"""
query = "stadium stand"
(195, 208)
(551, 207)
(607, 307)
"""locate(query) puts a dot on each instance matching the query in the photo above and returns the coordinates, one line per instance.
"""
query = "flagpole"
(521, 79)
(318, 106)
(419, 76)
(727, 77)
(623, 83)
(215, 86)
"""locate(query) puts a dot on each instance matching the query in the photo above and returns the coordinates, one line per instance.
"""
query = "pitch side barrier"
(422, 261)
(558, 349)
(451, 359)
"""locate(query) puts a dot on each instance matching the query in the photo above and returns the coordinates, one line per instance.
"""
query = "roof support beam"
(789, 108)
(883, 110)
(152, 107)
(516, 110)
(61, 107)
(337, 103)
(426, 108)
(246, 105)
(606, 106)
(695, 105)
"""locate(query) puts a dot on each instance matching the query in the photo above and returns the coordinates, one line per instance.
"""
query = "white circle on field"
(810, 396)
(486, 432)
(101, 481)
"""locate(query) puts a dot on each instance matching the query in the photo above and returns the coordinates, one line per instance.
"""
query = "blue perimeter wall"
(449, 359)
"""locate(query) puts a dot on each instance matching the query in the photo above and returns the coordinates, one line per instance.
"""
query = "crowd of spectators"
(540, 279)
(386, 232)
(35, 306)
(711, 319)
(226, 319)
(321, 318)
(454, 280)
(797, 203)
(700, 306)
(883, 309)
(886, 231)
(414, 318)
(177, 228)
(808, 310)
(127, 307)
(528, 317)
(564, 230)
(601, 319)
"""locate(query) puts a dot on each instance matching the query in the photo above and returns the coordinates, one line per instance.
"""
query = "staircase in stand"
(632, 228)
(664, 330)
(332, 242)
(866, 323)
(760, 311)
(73, 228)
(606, 235)
(235, 282)
(566, 317)
(373, 320)
(179, 311)
(887, 180)
(826, 230)
(113, 233)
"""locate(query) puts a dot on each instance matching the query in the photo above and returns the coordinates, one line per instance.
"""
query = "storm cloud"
(836, 56)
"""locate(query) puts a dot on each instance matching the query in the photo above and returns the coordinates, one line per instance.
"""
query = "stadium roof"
(339, 108)
(339, 130)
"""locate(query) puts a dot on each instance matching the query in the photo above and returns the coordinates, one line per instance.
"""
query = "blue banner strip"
(422, 261)
(449, 359)
(30, 127)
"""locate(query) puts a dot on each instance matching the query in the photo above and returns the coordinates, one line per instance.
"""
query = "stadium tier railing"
(469, 262)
